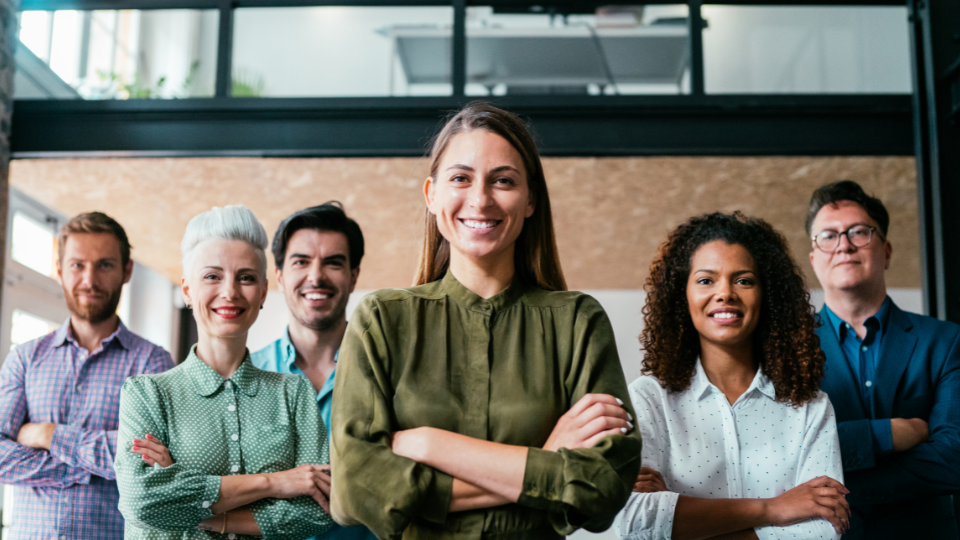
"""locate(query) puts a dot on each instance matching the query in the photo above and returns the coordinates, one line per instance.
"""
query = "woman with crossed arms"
(482, 403)
(738, 440)
(216, 445)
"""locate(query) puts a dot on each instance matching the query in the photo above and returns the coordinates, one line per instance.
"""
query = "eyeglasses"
(829, 240)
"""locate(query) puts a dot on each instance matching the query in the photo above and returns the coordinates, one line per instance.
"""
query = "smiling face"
(480, 196)
(850, 268)
(316, 278)
(92, 273)
(225, 287)
(724, 294)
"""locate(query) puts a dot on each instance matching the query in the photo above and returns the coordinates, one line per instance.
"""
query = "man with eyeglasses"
(893, 377)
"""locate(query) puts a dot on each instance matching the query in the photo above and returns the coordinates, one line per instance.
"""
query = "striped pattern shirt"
(70, 491)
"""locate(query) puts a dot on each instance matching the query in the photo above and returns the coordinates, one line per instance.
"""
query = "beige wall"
(610, 213)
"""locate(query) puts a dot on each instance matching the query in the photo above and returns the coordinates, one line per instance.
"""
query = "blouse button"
(206, 504)
(232, 408)
(234, 437)
(235, 468)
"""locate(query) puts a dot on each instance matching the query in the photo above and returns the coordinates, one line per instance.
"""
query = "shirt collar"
(207, 381)
(878, 320)
(123, 336)
(289, 352)
(702, 386)
(473, 302)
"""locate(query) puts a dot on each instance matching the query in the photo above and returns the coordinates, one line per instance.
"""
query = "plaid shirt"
(69, 491)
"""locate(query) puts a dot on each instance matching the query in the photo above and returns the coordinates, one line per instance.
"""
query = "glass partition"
(342, 51)
(806, 50)
(116, 54)
(617, 50)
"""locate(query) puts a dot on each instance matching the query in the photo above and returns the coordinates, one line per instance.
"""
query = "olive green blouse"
(254, 422)
(502, 369)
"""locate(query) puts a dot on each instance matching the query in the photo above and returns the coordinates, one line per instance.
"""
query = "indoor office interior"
(646, 115)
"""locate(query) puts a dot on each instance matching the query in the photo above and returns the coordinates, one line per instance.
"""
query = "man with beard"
(59, 394)
(317, 252)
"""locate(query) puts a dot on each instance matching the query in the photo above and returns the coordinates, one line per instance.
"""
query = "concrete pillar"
(8, 39)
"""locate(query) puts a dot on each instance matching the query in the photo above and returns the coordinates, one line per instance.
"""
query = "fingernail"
(629, 416)
(135, 447)
(630, 425)
(137, 440)
(623, 430)
(618, 401)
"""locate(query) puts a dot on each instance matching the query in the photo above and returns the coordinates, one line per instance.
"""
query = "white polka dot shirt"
(706, 448)
(254, 422)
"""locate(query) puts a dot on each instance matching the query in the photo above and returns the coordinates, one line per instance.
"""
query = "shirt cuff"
(437, 504)
(211, 494)
(65, 442)
(882, 436)
(541, 483)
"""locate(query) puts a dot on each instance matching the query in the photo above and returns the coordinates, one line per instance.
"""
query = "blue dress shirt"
(862, 355)
(280, 357)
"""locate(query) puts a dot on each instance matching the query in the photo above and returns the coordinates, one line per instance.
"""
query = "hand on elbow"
(822, 498)
(39, 435)
(591, 419)
(908, 432)
(310, 480)
(649, 481)
(152, 450)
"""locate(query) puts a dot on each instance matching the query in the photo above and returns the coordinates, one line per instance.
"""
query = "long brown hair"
(535, 252)
(785, 344)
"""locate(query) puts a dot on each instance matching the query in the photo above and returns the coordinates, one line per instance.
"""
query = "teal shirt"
(279, 357)
(252, 423)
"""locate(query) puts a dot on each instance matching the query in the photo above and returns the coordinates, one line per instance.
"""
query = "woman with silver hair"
(215, 444)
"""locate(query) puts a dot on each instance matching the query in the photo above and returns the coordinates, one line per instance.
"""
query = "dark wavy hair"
(784, 342)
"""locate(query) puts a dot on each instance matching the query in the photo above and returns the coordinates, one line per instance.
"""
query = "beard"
(321, 323)
(93, 312)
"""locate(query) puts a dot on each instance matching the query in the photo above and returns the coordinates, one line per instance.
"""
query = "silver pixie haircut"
(233, 222)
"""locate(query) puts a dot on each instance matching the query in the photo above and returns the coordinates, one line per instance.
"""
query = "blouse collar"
(473, 302)
(701, 384)
(207, 381)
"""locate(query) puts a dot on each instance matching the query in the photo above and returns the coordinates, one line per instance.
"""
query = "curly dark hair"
(784, 341)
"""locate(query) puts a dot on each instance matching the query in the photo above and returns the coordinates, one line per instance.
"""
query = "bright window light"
(33, 244)
(35, 32)
(26, 327)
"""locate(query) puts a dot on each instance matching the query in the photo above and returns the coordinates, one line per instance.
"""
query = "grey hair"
(232, 222)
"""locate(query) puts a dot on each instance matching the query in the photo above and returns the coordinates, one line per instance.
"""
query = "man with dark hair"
(317, 252)
(893, 377)
(59, 394)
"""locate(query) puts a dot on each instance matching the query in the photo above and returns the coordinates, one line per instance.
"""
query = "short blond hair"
(95, 223)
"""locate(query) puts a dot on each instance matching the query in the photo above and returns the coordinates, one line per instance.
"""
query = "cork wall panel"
(610, 213)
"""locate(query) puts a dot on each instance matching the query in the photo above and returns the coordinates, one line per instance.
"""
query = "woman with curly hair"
(738, 439)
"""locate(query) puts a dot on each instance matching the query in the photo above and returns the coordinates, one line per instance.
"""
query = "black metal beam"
(224, 78)
(567, 126)
(935, 32)
(458, 55)
(695, 29)
(48, 5)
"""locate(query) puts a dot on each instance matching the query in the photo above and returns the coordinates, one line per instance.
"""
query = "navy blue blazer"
(902, 494)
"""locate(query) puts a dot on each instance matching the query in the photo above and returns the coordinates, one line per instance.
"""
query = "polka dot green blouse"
(254, 422)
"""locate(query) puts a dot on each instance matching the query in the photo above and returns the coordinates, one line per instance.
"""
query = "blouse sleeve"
(372, 485)
(820, 456)
(649, 515)
(299, 517)
(586, 487)
(175, 498)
